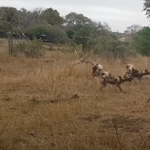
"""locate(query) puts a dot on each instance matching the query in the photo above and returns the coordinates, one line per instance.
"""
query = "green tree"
(83, 30)
(4, 28)
(26, 18)
(109, 46)
(54, 34)
(133, 29)
(141, 41)
(9, 16)
(74, 21)
(84, 35)
(146, 7)
(51, 16)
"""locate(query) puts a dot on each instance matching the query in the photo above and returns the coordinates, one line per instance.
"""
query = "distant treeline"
(74, 29)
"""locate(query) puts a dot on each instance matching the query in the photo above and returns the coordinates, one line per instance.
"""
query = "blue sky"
(119, 14)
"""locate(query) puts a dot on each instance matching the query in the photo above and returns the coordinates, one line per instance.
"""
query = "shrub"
(55, 34)
(32, 49)
(141, 41)
(110, 47)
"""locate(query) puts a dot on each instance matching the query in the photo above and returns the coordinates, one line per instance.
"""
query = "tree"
(74, 21)
(4, 28)
(53, 34)
(146, 8)
(105, 26)
(9, 14)
(52, 17)
(27, 18)
(83, 30)
(10, 17)
(37, 13)
(133, 29)
(83, 35)
(141, 41)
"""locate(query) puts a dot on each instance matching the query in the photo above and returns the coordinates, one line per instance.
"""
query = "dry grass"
(45, 104)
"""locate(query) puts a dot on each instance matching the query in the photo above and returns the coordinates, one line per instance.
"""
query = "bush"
(141, 41)
(32, 49)
(55, 34)
(109, 46)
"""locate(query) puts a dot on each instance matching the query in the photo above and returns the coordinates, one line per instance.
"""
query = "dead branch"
(82, 60)
(115, 125)
(36, 100)
(23, 35)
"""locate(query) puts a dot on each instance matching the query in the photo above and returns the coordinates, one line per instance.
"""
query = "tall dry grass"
(47, 104)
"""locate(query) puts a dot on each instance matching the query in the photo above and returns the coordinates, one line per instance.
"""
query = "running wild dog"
(109, 79)
(97, 70)
(134, 73)
(129, 67)
(139, 75)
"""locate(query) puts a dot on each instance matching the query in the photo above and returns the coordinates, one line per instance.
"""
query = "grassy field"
(45, 104)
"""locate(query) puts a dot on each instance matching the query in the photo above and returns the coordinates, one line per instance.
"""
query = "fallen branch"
(54, 100)
(82, 60)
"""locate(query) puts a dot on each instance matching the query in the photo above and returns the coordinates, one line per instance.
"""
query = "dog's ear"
(147, 72)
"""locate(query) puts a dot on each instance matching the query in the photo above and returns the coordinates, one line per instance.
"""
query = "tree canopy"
(51, 16)
(73, 28)
(133, 29)
(141, 41)
(146, 7)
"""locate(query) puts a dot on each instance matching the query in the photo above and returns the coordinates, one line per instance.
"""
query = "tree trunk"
(10, 41)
